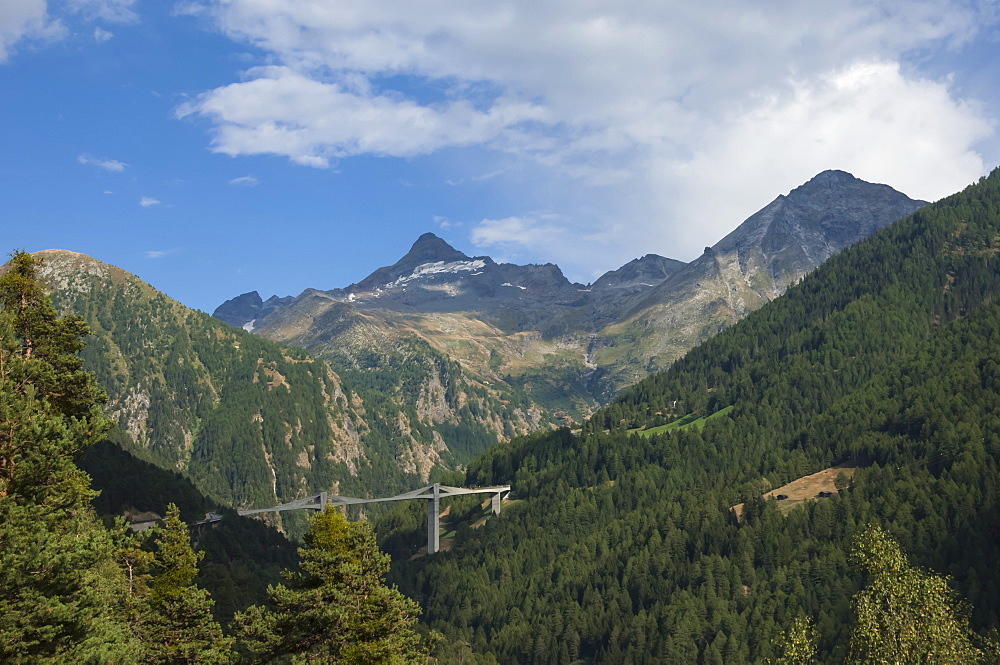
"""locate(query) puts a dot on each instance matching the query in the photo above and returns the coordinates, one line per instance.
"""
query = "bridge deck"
(433, 492)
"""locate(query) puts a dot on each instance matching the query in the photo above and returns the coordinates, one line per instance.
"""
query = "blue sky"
(214, 147)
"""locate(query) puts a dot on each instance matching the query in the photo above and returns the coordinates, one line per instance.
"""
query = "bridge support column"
(496, 503)
(322, 501)
(433, 510)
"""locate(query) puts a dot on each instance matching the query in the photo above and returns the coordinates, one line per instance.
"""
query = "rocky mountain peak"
(830, 178)
(843, 191)
(820, 217)
(240, 310)
(429, 248)
(246, 310)
(638, 274)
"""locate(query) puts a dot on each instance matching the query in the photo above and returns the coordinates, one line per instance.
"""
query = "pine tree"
(60, 589)
(170, 616)
(336, 608)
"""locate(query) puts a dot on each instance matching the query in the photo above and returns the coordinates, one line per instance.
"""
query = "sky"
(215, 147)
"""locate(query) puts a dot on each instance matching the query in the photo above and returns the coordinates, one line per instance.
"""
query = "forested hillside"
(75, 591)
(242, 555)
(624, 548)
(250, 422)
(254, 423)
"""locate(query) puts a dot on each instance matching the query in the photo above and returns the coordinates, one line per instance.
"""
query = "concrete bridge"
(433, 493)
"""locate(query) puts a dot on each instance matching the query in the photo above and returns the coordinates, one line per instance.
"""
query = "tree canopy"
(335, 608)
(904, 614)
(60, 588)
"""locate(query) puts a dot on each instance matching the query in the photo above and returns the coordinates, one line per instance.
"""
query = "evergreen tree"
(336, 608)
(171, 616)
(60, 591)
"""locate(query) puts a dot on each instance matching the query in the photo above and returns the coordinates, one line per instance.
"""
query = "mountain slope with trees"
(73, 590)
(70, 589)
(253, 423)
(624, 548)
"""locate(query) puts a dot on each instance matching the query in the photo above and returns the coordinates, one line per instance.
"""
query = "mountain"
(253, 423)
(247, 308)
(431, 278)
(570, 347)
(636, 275)
(621, 544)
(773, 249)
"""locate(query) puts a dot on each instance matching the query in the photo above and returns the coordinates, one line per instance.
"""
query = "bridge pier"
(433, 519)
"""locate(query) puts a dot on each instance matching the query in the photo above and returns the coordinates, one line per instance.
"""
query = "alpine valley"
(666, 531)
(644, 422)
(422, 365)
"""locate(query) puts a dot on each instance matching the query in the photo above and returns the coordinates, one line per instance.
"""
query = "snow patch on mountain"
(438, 268)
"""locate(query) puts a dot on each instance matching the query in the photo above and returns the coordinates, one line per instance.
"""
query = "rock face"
(571, 346)
(245, 310)
(637, 275)
(752, 265)
(795, 233)
(428, 250)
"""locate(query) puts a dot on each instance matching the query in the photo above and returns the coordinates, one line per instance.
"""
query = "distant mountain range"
(569, 346)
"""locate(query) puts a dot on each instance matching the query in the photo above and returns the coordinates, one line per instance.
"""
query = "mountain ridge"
(536, 326)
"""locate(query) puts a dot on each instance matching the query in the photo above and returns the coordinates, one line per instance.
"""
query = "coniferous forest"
(619, 542)
(624, 548)
(74, 590)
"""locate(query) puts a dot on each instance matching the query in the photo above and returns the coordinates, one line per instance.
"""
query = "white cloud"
(245, 181)
(148, 201)
(188, 8)
(106, 164)
(116, 11)
(443, 222)
(672, 120)
(25, 19)
(32, 19)
(867, 119)
(517, 233)
(157, 253)
(591, 62)
(283, 112)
